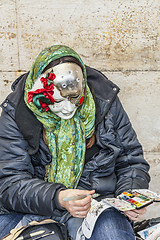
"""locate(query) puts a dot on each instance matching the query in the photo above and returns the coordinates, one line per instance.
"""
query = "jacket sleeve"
(130, 166)
(20, 190)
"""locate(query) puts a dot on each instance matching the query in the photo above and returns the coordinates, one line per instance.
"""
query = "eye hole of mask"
(75, 99)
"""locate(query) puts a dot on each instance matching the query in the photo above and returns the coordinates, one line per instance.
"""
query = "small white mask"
(68, 88)
(62, 107)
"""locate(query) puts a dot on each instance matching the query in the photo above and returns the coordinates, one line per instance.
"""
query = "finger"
(142, 211)
(133, 215)
(81, 202)
(74, 210)
(81, 214)
(81, 207)
(78, 195)
(139, 211)
(84, 192)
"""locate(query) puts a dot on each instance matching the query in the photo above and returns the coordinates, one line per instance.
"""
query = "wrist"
(58, 204)
(60, 199)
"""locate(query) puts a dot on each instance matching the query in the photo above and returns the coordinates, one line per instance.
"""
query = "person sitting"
(64, 132)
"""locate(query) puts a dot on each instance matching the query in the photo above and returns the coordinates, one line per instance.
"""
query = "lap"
(8, 222)
(112, 225)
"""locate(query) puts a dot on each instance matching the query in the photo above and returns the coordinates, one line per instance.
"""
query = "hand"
(77, 208)
(135, 214)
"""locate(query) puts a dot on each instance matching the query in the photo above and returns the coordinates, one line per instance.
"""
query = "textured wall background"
(121, 38)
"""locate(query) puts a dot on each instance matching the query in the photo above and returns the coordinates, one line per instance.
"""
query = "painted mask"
(64, 84)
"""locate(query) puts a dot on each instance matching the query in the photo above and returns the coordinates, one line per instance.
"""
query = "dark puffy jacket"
(119, 165)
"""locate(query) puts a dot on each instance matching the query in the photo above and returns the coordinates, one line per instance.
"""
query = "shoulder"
(17, 90)
(101, 86)
(105, 92)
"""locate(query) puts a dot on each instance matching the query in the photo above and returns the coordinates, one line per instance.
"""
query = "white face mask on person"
(68, 90)
(62, 107)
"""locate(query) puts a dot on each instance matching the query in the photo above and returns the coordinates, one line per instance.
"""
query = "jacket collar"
(28, 124)
(103, 90)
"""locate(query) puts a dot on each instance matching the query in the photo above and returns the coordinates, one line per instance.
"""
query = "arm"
(131, 168)
(20, 190)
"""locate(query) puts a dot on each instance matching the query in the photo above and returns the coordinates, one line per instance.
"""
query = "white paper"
(89, 222)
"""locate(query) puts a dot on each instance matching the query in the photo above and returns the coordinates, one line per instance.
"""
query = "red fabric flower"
(44, 81)
(31, 93)
(47, 91)
(51, 76)
(81, 100)
(44, 106)
(45, 84)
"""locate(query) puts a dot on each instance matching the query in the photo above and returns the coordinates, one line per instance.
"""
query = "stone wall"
(121, 38)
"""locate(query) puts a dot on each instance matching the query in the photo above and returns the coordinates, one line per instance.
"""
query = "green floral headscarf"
(66, 138)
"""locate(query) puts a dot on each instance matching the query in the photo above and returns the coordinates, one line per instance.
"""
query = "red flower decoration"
(81, 100)
(51, 76)
(47, 94)
(47, 91)
(44, 106)
(44, 81)
(45, 84)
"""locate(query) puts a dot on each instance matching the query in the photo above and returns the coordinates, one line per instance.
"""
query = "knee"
(112, 225)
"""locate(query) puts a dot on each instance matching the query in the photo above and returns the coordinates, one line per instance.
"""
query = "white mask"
(68, 88)
(62, 107)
